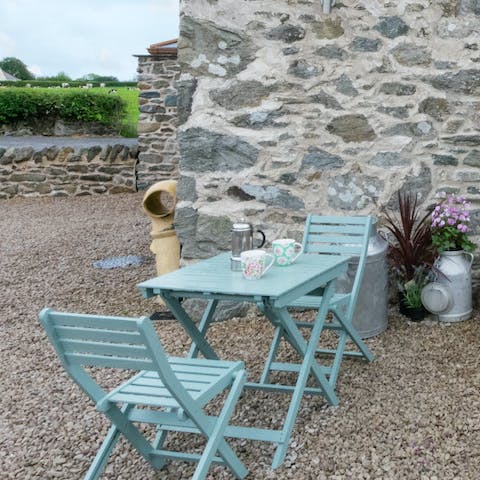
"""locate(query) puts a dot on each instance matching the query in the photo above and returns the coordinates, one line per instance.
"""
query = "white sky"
(84, 36)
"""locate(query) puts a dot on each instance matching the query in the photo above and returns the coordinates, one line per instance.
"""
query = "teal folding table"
(213, 280)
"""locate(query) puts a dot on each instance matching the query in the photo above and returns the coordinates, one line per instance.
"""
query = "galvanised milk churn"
(370, 316)
(450, 297)
(242, 240)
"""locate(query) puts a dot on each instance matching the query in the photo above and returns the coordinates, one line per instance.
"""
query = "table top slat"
(215, 276)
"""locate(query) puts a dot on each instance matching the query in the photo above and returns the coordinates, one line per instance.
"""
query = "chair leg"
(352, 333)
(108, 444)
(101, 458)
(216, 439)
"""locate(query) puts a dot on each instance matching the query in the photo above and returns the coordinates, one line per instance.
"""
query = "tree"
(93, 77)
(17, 68)
(59, 77)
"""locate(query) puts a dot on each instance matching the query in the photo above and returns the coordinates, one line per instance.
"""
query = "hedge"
(28, 105)
(57, 83)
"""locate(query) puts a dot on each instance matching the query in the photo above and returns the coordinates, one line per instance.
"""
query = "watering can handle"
(472, 256)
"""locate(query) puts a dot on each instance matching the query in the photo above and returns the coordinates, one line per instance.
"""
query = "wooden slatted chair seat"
(313, 301)
(202, 379)
(182, 387)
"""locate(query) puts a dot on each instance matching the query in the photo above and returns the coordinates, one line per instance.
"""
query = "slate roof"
(6, 76)
(168, 48)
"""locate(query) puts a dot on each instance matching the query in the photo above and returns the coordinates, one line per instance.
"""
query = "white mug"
(254, 263)
(286, 251)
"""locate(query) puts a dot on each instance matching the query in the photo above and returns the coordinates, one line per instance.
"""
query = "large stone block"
(241, 94)
(392, 27)
(364, 44)
(354, 191)
(389, 159)
(463, 81)
(259, 120)
(326, 100)
(437, 108)
(472, 159)
(286, 32)
(187, 189)
(27, 177)
(397, 88)
(466, 7)
(185, 90)
(352, 128)
(419, 184)
(301, 68)
(328, 29)
(320, 159)
(332, 52)
(205, 151)
(212, 50)
(272, 195)
(411, 54)
(411, 129)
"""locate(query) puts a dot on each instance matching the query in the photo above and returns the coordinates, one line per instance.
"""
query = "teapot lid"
(241, 226)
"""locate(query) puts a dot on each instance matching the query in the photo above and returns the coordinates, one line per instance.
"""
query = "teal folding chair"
(347, 236)
(180, 386)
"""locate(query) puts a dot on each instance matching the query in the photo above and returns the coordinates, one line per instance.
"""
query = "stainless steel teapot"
(242, 240)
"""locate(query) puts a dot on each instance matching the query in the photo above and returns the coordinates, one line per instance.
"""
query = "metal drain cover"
(121, 262)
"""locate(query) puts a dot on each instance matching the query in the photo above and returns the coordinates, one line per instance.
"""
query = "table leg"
(189, 325)
(207, 318)
(309, 364)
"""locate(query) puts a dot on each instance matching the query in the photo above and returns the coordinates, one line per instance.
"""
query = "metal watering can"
(242, 240)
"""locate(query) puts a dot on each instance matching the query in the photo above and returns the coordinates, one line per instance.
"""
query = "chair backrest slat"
(337, 220)
(332, 228)
(104, 348)
(93, 321)
(349, 240)
(108, 361)
(97, 334)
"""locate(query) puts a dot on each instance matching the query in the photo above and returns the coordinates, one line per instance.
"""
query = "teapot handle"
(262, 242)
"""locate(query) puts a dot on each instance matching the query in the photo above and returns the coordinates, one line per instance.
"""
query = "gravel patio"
(414, 413)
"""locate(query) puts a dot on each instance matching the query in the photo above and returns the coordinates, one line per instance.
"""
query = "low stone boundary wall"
(36, 168)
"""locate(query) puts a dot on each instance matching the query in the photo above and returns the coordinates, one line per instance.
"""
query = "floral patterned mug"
(254, 263)
(286, 251)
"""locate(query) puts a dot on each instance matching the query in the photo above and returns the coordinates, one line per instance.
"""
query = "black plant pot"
(402, 305)
(414, 314)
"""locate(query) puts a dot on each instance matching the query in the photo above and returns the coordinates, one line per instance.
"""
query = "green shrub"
(58, 83)
(77, 105)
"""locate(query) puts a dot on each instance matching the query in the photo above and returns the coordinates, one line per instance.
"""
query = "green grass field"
(129, 124)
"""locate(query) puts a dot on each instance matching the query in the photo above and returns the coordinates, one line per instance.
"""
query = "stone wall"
(293, 111)
(64, 170)
(157, 124)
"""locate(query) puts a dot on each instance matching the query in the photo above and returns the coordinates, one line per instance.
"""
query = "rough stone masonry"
(286, 110)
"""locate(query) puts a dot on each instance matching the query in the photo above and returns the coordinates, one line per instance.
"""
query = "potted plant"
(410, 253)
(451, 224)
(412, 294)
